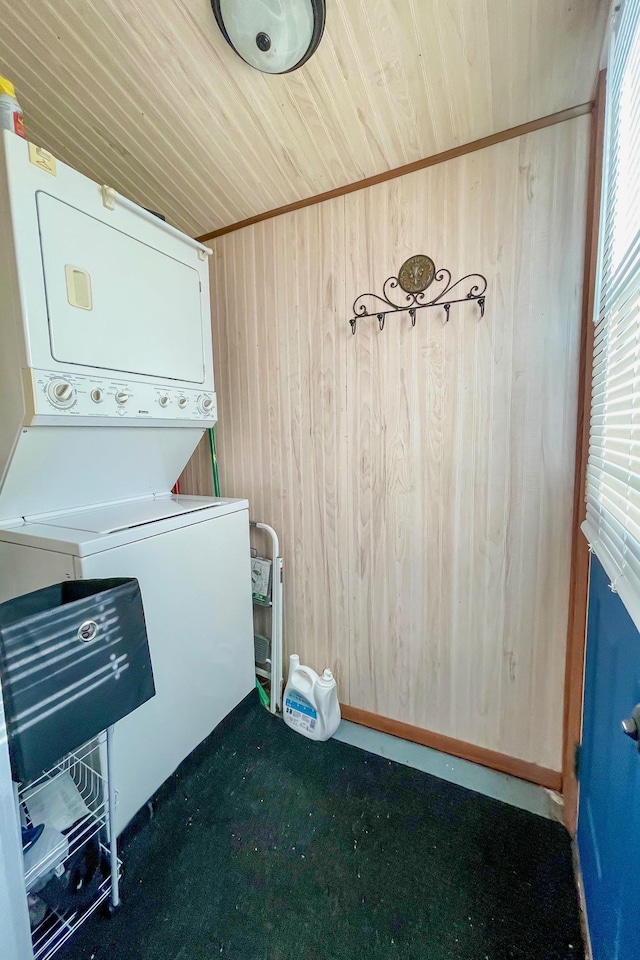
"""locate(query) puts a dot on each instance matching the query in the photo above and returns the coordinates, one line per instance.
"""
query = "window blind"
(612, 524)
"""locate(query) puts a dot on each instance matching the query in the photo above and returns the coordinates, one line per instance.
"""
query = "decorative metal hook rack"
(414, 276)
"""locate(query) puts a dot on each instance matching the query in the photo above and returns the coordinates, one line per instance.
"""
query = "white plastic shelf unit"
(268, 649)
(99, 799)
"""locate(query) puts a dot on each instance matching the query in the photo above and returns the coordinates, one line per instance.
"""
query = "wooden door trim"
(523, 769)
(579, 584)
(512, 132)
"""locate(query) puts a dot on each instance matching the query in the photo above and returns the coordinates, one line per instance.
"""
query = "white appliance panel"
(196, 590)
(94, 400)
(62, 468)
(116, 303)
(25, 570)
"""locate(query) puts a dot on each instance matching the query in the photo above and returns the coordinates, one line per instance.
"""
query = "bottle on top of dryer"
(10, 110)
(310, 701)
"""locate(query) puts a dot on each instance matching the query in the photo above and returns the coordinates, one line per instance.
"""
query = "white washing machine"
(191, 558)
(106, 387)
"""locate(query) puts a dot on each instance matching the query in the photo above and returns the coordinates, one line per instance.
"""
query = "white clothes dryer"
(105, 340)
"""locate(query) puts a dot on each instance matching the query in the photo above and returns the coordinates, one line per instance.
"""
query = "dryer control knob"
(121, 397)
(182, 402)
(163, 401)
(61, 393)
(206, 404)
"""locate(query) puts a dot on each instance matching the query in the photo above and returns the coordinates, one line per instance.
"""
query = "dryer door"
(115, 303)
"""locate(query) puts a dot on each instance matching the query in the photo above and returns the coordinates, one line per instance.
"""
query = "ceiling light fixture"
(274, 36)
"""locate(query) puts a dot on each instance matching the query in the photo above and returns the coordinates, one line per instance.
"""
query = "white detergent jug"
(311, 702)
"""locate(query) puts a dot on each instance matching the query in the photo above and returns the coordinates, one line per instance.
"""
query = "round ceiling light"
(274, 36)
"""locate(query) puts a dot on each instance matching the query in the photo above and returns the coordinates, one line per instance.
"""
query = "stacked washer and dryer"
(106, 388)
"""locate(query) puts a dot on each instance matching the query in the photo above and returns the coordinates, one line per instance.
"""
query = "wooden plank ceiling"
(148, 97)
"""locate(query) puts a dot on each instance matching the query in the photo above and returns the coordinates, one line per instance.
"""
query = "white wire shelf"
(92, 788)
(270, 669)
(57, 927)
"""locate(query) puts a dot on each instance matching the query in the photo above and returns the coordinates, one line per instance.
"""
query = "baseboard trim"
(522, 769)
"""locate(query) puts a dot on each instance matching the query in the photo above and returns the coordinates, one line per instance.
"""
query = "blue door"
(609, 813)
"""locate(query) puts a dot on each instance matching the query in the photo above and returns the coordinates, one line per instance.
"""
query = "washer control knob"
(163, 401)
(182, 402)
(61, 393)
(97, 395)
(205, 403)
(121, 397)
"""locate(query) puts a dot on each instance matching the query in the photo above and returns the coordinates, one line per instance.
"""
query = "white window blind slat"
(616, 341)
(619, 467)
(621, 362)
(612, 524)
(616, 438)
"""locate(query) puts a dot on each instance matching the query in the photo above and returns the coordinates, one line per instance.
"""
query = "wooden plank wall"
(421, 480)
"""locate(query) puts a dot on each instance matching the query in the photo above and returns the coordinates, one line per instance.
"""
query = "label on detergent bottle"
(301, 713)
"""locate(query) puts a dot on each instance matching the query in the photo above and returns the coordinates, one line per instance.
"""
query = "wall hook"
(406, 292)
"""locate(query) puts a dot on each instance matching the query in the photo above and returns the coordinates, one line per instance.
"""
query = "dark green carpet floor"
(266, 846)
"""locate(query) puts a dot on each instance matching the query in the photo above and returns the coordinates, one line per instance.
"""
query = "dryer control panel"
(70, 396)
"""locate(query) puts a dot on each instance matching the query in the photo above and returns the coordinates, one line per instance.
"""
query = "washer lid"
(124, 516)
(85, 532)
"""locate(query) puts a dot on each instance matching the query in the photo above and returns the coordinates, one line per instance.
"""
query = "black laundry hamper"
(74, 659)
